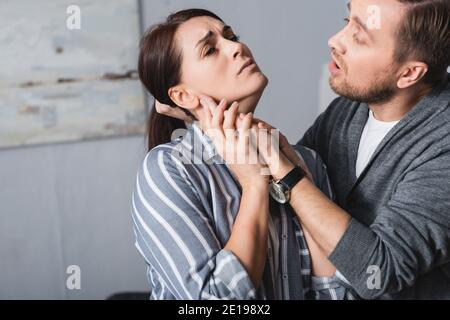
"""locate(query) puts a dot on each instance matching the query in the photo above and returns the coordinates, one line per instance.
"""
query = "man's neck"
(397, 107)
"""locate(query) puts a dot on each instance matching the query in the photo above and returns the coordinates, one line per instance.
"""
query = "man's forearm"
(323, 219)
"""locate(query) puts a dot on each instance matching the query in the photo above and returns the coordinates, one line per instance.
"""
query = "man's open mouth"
(337, 64)
(335, 67)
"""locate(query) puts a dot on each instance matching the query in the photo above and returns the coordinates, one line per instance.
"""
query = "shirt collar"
(202, 145)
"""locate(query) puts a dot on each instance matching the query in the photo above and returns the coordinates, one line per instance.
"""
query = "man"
(386, 144)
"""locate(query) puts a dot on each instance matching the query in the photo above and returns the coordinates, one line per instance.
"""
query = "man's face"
(363, 67)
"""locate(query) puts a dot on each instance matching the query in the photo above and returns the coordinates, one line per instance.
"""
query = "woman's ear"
(183, 97)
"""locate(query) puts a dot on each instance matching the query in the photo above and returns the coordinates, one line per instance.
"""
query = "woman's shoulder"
(164, 167)
(171, 153)
(161, 161)
(165, 149)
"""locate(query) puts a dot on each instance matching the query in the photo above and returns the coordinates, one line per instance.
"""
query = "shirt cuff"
(353, 253)
(234, 276)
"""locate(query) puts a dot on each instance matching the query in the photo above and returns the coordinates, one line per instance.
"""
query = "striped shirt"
(184, 205)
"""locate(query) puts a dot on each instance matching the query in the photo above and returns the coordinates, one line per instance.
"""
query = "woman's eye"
(235, 38)
(210, 51)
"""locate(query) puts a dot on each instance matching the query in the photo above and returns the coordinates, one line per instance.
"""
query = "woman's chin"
(265, 80)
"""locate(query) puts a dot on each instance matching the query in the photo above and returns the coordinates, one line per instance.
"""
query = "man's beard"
(380, 91)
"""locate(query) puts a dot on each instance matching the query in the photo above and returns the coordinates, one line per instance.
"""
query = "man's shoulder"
(340, 111)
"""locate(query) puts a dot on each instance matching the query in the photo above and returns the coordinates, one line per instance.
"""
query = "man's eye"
(347, 20)
(357, 39)
(210, 51)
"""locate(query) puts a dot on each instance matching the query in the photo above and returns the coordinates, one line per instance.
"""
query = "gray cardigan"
(400, 204)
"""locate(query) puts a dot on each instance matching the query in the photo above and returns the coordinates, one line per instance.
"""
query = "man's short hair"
(424, 34)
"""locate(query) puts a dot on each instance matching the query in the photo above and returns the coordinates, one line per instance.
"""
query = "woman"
(206, 229)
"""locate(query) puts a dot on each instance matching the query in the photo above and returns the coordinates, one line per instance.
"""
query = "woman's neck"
(246, 105)
(249, 104)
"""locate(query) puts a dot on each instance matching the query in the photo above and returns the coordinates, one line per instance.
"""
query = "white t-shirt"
(373, 133)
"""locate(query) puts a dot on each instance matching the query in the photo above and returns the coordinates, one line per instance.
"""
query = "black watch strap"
(293, 177)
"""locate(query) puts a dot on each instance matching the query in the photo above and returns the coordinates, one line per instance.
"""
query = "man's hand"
(176, 113)
(281, 157)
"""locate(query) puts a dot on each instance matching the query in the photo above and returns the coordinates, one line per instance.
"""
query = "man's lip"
(334, 69)
(336, 62)
(245, 65)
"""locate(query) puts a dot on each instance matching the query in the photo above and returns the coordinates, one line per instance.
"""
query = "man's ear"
(411, 74)
(183, 97)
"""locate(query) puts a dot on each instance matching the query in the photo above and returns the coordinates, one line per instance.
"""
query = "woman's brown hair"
(159, 69)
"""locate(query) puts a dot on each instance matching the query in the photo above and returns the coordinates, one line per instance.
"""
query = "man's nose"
(336, 43)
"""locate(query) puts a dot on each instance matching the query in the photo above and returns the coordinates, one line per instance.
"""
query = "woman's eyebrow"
(210, 34)
(205, 38)
(226, 28)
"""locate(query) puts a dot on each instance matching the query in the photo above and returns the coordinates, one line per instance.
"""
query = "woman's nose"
(234, 48)
(237, 53)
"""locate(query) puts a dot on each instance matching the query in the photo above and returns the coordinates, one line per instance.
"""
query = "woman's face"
(216, 64)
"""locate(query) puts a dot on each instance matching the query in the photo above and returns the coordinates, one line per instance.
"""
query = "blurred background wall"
(69, 203)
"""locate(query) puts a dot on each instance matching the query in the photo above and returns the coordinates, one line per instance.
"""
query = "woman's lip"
(251, 64)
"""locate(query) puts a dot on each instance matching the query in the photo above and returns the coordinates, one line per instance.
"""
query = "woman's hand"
(232, 139)
(249, 236)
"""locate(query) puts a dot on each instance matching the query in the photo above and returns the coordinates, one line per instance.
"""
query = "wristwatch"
(280, 190)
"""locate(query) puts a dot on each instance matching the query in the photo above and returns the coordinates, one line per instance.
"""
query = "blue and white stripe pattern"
(184, 204)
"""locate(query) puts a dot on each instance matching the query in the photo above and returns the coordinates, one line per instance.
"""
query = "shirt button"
(284, 236)
(285, 276)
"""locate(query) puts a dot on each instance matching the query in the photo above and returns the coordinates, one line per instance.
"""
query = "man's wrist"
(284, 167)
(256, 185)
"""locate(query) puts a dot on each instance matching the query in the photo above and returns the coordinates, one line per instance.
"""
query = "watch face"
(277, 192)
